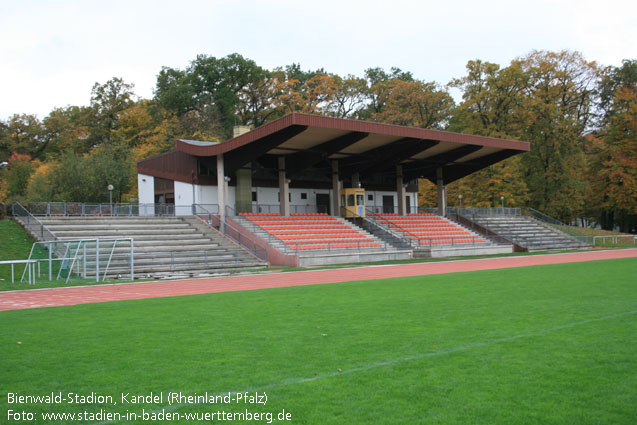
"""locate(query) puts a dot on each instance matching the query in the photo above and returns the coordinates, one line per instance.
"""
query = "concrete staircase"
(382, 252)
(529, 233)
(163, 246)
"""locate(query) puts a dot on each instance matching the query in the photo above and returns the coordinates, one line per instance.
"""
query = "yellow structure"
(353, 202)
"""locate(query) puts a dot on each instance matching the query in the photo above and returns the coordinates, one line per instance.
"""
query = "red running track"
(18, 300)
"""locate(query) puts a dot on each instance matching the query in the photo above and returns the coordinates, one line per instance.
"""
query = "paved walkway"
(17, 300)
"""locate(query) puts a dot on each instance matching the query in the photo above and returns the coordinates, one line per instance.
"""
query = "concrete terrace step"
(162, 245)
(529, 233)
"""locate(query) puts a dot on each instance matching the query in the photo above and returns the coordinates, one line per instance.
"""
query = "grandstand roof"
(359, 146)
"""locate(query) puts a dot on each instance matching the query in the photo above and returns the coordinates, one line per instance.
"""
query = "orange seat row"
(305, 231)
(334, 235)
(332, 246)
(332, 226)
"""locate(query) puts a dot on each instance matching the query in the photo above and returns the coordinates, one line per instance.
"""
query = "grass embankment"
(15, 244)
(547, 344)
(623, 240)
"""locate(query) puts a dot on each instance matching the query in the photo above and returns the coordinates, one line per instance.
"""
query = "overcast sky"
(52, 52)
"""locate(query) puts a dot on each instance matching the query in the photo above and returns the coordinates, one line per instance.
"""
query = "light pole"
(110, 196)
(460, 200)
(502, 200)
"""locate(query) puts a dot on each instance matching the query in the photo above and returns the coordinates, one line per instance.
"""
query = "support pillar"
(243, 190)
(221, 199)
(400, 191)
(284, 189)
(356, 180)
(442, 193)
(336, 190)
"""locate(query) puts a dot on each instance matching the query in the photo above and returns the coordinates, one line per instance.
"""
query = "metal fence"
(485, 212)
(123, 210)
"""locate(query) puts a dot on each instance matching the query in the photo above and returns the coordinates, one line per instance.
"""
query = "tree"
(105, 165)
(16, 178)
(108, 101)
(557, 111)
(378, 85)
(612, 151)
(68, 129)
(23, 134)
(349, 98)
(492, 99)
(545, 98)
(209, 90)
(416, 104)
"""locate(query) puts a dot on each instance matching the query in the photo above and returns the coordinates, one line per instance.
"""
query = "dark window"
(204, 170)
(303, 195)
(254, 196)
(370, 197)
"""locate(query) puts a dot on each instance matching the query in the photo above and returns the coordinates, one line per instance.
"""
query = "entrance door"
(408, 205)
(323, 203)
(388, 204)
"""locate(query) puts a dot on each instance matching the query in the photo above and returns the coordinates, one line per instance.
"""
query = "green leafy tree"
(209, 91)
(15, 178)
(24, 134)
(546, 98)
(108, 101)
(416, 104)
(612, 151)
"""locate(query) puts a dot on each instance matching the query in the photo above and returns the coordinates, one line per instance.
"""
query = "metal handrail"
(417, 242)
(400, 240)
(18, 210)
(482, 229)
(230, 231)
(542, 217)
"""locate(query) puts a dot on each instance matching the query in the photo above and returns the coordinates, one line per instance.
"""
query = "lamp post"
(460, 200)
(226, 180)
(110, 196)
(502, 200)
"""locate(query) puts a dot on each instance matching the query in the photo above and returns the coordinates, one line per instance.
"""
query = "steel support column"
(221, 198)
(284, 188)
(400, 191)
(336, 190)
(442, 193)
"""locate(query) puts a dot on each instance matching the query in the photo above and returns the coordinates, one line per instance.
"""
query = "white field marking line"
(391, 362)
(338, 268)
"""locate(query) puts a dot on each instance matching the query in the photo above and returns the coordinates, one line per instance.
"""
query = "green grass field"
(538, 345)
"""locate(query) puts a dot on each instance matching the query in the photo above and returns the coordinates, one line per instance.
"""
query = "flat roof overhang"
(361, 147)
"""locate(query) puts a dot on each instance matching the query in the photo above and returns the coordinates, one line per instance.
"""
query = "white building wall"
(267, 197)
(146, 193)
